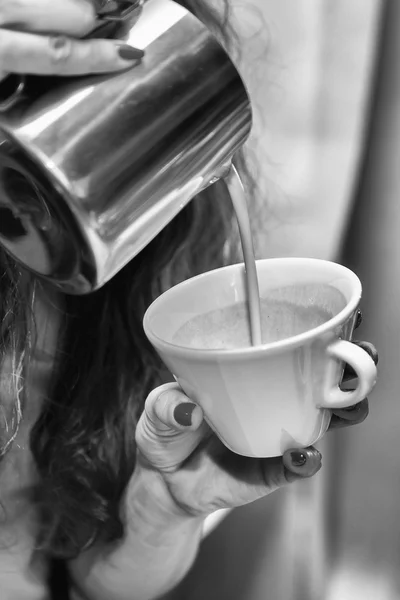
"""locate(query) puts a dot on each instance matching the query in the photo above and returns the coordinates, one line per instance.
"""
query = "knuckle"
(162, 405)
(167, 389)
(146, 428)
(152, 399)
(98, 56)
(145, 437)
(139, 431)
(60, 49)
(156, 402)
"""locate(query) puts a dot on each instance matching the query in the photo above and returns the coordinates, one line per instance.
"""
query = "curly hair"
(83, 442)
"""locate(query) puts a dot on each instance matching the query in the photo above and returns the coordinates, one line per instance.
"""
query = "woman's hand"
(183, 473)
(42, 37)
(196, 474)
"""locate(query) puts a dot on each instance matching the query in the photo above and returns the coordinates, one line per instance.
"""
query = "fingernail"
(359, 319)
(298, 458)
(348, 417)
(129, 53)
(358, 412)
(183, 414)
(304, 462)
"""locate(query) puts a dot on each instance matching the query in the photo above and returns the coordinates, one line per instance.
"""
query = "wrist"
(159, 546)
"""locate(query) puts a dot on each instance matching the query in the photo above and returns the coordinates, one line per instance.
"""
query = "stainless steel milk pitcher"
(92, 168)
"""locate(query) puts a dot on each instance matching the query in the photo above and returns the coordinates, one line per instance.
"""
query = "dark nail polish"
(359, 319)
(298, 458)
(183, 414)
(129, 53)
(347, 417)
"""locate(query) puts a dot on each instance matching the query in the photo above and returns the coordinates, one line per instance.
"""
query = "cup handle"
(364, 368)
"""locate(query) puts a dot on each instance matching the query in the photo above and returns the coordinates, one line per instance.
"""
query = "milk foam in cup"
(262, 400)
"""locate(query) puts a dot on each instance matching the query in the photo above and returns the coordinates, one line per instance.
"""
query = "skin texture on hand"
(198, 473)
(42, 37)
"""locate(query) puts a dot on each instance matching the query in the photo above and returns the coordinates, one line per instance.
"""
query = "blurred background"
(325, 81)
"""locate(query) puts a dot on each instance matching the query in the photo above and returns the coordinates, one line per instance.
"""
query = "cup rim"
(262, 349)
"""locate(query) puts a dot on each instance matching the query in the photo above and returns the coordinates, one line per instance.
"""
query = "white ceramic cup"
(264, 400)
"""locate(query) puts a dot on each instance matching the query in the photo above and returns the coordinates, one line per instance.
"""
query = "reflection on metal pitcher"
(92, 168)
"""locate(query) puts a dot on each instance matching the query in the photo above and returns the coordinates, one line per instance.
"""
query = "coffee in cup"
(263, 400)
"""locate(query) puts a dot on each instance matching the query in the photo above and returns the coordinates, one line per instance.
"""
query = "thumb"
(170, 428)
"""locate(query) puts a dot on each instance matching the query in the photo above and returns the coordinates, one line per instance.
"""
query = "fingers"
(200, 473)
(43, 55)
(170, 428)
(246, 479)
(301, 463)
(62, 53)
(295, 464)
(348, 417)
(70, 17)
(218, 478)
